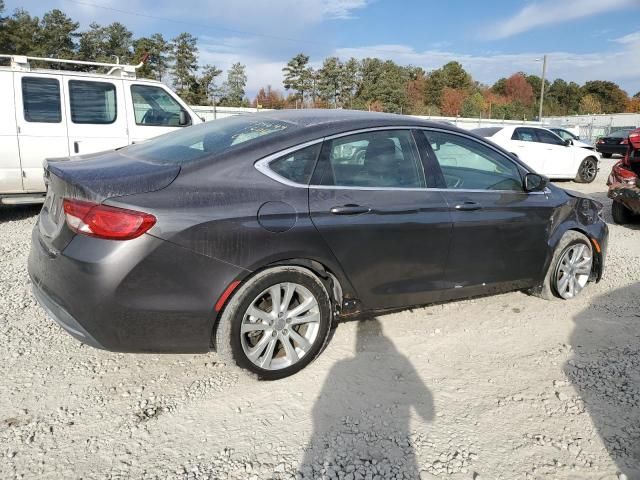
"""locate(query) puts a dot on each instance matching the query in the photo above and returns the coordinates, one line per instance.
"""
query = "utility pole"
(544, 73)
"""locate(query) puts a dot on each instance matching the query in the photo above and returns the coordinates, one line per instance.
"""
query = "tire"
(265, 333)
(621, 214)
(550, 289)
(587, 171)
(607, 155)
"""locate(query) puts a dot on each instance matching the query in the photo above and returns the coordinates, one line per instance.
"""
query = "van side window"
(92, 102)
(41, 100)
(153, 106)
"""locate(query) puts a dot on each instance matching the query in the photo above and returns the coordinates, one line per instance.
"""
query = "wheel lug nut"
(285, 331)
(274, 334)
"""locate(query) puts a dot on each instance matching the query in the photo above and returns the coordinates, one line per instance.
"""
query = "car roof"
(352, 119)
(102, 76)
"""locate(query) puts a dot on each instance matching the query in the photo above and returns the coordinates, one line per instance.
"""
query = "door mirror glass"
(184, 118)
(534, 182)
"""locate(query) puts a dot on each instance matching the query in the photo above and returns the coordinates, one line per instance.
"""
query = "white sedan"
(545, 152)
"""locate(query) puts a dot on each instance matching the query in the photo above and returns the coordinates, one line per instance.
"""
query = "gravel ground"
(501, 387)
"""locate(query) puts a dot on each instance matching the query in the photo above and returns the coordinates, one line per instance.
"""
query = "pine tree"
(297, 75)
(184, 53)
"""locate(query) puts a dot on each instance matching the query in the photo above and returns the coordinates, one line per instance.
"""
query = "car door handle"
(76, 147)
(468, 206)
(350, 209)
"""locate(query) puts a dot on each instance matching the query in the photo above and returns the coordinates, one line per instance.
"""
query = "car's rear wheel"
(621, 214)
(276, 323)
(570, 268)
(607, 155)
(587, 171)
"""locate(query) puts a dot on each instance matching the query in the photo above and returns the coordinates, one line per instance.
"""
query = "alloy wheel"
(588, 170)
(280, 326)
(573, 271)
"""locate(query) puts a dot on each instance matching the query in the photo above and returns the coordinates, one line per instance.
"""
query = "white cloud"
(551, 12)
(630, 39)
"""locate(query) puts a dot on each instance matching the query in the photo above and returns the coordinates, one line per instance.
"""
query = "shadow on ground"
(362, 416)
(605, 370)
(10, 213)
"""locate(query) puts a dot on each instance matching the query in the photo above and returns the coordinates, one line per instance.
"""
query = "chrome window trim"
(262, 165)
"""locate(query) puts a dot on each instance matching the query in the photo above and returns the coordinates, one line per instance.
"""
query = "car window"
(92, 102)
(619, 134)
(153, 106)
(545, 136)
(471, 165)
(379, 159)
(41, 100)
(565, 134)
(524, 135)
(297, 166)
(207, 139)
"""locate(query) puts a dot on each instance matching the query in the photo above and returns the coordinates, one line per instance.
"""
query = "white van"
(60, 113)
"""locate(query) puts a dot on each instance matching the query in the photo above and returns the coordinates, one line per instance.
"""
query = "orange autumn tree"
(518, 89)
(452, 100)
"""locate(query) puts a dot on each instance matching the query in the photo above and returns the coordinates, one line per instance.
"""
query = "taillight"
(623, 173)
(625, 142)
(600, 140)
(102, 221)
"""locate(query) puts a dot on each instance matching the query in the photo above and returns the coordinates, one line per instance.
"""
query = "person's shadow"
(605, 371)
(362, 416)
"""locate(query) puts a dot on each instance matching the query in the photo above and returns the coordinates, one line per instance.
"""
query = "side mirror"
(534, 182)
(568, 142)
(184, 119)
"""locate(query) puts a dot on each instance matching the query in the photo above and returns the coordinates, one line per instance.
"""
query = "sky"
(583, 39)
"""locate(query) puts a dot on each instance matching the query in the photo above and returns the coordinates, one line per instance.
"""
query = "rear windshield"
(487, 131)
(205, 140)
(620, 133)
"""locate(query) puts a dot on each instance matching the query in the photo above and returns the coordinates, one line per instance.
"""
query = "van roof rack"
(20, 63)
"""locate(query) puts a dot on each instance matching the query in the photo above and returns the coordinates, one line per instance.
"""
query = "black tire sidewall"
(570, 239)
(307, 280)
(620, 213)
(580, 177)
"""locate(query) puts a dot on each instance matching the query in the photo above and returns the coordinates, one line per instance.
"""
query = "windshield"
(205, 140)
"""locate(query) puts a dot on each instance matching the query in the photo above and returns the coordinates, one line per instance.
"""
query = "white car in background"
(576, 141)
(545, 152)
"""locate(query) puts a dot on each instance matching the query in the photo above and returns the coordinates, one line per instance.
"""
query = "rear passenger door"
(368, 199)
(42, 125)
(97, 119)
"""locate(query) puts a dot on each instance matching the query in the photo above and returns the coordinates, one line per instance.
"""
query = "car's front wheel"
(587, 171)
(570, 268)
(276, 323)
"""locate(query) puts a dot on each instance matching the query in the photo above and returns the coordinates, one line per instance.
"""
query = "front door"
(390, 234)
(558, 161)
(97, 116)
(499, 231)
(42, 124)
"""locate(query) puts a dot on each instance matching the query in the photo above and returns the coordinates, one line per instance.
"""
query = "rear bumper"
(613, 149)
(142, 295)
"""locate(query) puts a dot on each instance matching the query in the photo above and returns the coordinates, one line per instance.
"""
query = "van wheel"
(587, 171)
(276, 324)
(569, 270)
(621, 214)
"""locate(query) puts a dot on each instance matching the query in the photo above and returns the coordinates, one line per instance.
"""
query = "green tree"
(19, 33)
(500, 87)
(156, 50)
(234, 85)
(350, 81)
(56, 35)
(330, 78)
(382, 85)
(611, 97)
(210, 90)
(184, 54)
(590, 104)
(297, 75)
(452, 75)
(473, 105)
(565, 96)
(107, 44)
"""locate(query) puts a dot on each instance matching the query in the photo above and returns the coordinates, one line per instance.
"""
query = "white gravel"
(501, 387)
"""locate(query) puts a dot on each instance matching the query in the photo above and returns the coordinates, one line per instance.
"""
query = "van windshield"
(205, 140)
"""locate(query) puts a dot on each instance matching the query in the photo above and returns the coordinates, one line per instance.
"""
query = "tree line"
(173, 61)
(369, 84)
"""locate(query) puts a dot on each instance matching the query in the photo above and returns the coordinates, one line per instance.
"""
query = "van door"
(10, 170)
(152, 111)
(41, 124)
(97, 118)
